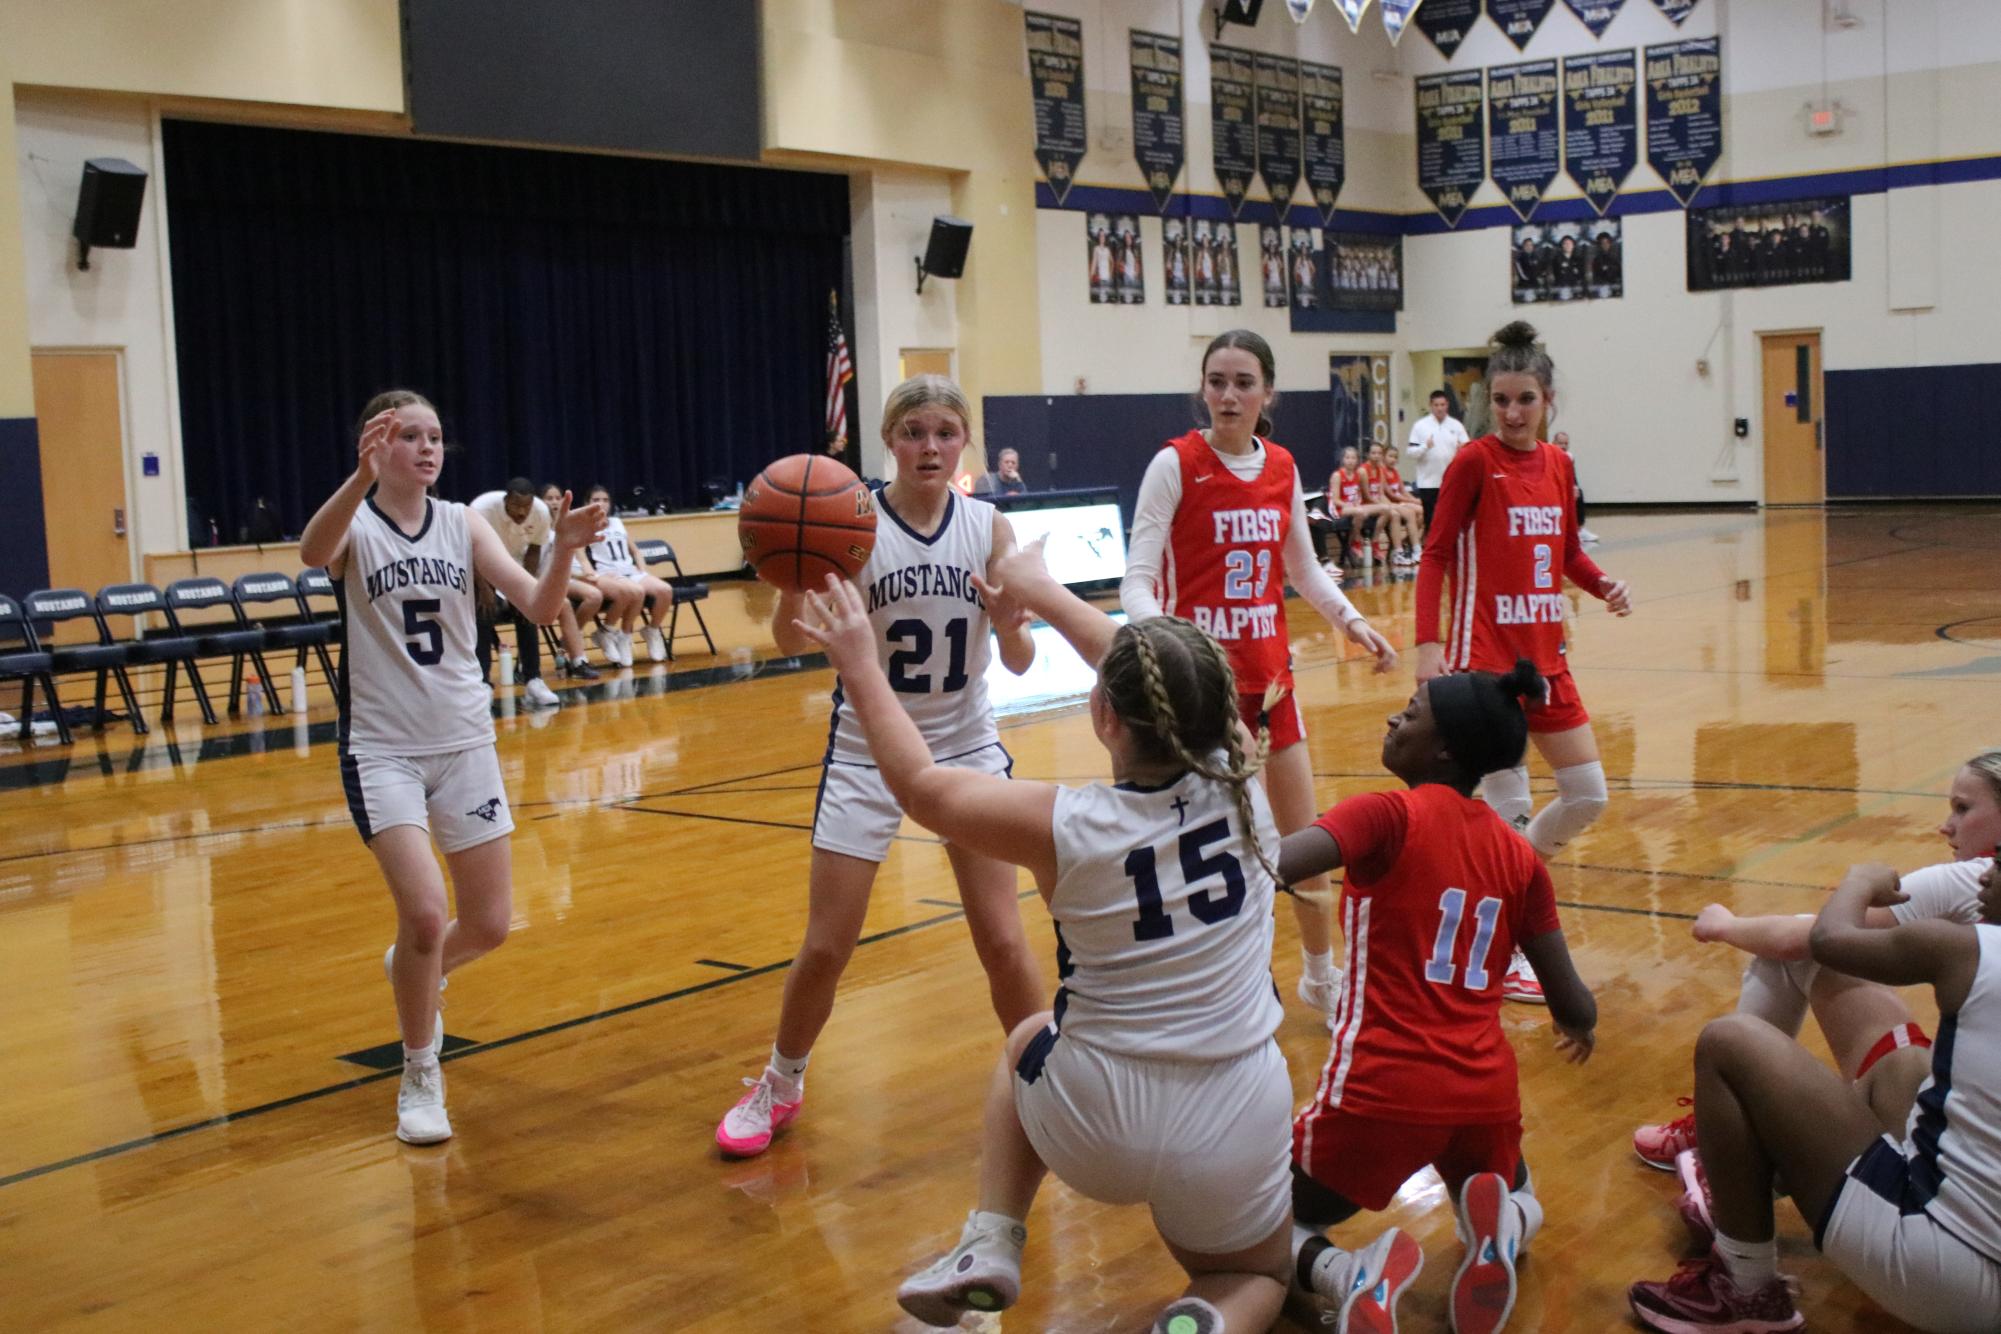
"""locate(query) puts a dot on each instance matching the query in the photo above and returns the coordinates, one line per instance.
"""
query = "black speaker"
(107, 207)
(945, 252)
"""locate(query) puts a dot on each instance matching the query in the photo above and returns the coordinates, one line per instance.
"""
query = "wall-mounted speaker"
(945, 252)
(107, 207)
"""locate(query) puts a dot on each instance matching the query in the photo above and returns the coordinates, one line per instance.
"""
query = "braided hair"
(1172, 685)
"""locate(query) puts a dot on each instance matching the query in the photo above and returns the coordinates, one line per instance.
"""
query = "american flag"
(840, 370)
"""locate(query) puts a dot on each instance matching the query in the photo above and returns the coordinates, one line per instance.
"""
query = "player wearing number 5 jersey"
(933, 618)
(1438, 893)
(1218, 531)
(416, 739)
(1505, 534)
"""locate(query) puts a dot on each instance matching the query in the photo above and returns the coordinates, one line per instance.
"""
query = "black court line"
(1693, 875)
(725, 965)
(1636, 912)
(762, 824)
(942, 903)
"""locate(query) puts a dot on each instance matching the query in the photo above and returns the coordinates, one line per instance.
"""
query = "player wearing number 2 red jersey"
(1439, 892)
(1219, 530)
(1504, 534)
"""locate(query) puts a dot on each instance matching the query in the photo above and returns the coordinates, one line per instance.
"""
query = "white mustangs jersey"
(1164, 920)
(410, 681)
(1953, 1138)
(612, 554)
(931, 630)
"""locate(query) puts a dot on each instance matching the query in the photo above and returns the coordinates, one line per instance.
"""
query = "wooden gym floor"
(190, 936)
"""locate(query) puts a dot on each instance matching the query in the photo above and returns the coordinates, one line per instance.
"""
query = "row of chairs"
(244, 637)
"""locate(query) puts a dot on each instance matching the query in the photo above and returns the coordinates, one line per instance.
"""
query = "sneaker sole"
(1483, 1291)
(943, 1307)
(1673, 1324)
(750, 1148)
(1375, 1311)
(422, 1139)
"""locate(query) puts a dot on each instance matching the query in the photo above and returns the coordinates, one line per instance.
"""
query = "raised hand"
(837, 620)
(1019, 577)
(375, 439)
(578, 528)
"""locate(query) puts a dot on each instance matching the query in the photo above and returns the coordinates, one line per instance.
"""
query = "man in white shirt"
(525, 526)
(1433, 441)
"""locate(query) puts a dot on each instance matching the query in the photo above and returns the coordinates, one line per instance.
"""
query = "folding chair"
(687, 592)
(22, 657)
(311, 584)
(280, 633)
(106, 657)
(216, 639)
(171, 650)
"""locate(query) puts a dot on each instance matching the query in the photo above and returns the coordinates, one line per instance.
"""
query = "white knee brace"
(1507, 791)
(1580, 798)
(1778, 992)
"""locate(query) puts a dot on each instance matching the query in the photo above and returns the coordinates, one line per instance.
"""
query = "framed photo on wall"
(1769, 245)
(1567, 261)
(1364, 271)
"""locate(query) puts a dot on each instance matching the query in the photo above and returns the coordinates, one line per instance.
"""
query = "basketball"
(806, 517)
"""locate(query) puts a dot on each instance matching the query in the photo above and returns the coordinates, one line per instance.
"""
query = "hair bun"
(1515, 333)
(1524, 681)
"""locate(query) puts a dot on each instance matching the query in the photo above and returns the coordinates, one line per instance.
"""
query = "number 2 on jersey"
(1238, 581)
(917, 634)
(1439, 970)
(1542, 566)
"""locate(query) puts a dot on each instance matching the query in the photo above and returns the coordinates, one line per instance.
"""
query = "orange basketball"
(804, 518)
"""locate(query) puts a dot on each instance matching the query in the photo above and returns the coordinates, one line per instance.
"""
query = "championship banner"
(1360, 399)
(1522, 137)
(1519, 19)
(1676, 9)
(1352, 10)
(1323, 134)
(1278, 128)
(1601, 122)
(1596, 15)
(1446, 22)
(1451, 150)
(1056, 78)
(1396, 17)
(1233, 122)
(1685, 112)
(1157, 129)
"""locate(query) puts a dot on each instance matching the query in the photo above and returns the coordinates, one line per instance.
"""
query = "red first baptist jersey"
(1504, 530)
(1439, 891)
(1225, 559)
(1346, 488)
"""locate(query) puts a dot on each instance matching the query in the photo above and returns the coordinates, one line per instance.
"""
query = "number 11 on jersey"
(1439, 970)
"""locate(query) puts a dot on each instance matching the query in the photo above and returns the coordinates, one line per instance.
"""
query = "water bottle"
(253, 702)
(506, 669)
(298, 690)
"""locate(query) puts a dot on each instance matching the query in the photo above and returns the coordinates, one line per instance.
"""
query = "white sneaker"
(539, 695)
(656, 644)
(624, 641)
(1490, 1227)
(605, 641)
(438, 1028)
(1586, 536)
(981, 1273)
(420, 1104)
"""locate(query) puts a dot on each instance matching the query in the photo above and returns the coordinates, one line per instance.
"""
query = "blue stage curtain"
(576, 318)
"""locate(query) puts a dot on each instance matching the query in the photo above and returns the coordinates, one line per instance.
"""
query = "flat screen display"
(1087, 537)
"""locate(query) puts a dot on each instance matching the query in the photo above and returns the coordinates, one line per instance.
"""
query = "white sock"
(1750, 1264)
(1319, 967)
(418, 1055)
(1580, 798)
(1013, 1229)
(1776, 992)
(1507, 791)
(792, 1071)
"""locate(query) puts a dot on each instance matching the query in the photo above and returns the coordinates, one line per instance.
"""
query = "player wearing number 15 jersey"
(416, 740)
(925, 589)
(1439, 892)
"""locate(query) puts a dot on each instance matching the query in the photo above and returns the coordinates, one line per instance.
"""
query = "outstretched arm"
(994, 816)
(1022, 579)
(1944, 954)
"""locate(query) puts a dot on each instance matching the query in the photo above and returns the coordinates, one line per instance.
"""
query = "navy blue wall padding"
(1911, 431)
(1108, 439)
(576, 318)
(24, 546)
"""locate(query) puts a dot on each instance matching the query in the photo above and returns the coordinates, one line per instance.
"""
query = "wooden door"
(82, 435)
(1795, 464)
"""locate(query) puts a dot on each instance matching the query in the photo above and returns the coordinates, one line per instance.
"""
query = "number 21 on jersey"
(1439, 970)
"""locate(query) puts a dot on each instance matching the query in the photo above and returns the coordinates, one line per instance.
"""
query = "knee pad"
(1775, 991)
(1507, 791)
(1580, 798)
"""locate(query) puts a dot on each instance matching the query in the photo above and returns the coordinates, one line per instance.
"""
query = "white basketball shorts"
(456, 796)
(855, 814)
(1878, 1234)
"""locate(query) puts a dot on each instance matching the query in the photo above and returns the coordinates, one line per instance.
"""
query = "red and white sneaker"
(1695, 1204)
(1520, 984)
(746, 1129)
(1701, 1297)
(1658, 1146)
(1483, 1290)
(1378, 1277)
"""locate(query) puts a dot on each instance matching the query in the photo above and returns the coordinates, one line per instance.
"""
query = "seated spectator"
(1006, 478)
(626, 587)
(524, 525)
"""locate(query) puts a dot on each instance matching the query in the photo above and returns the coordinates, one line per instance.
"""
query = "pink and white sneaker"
(1695, 1205)
(1701, 1296)
(1520, 984)
(746, 1129)
(1490, 1225)
(1658, 1146)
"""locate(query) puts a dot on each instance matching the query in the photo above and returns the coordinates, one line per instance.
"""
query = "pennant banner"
(1299, 9)
(1596, 15)
(1451, 150)
(1601, 122)
(1351, 10)
(1233, 122)
(1676, 9)
(1685, 112)
(1157, 128)
(1056, 78)
(1522, 136)
(1519, 19)
(1323, 135)
(1446, 22)
(1396, 17)
(1278, 128)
